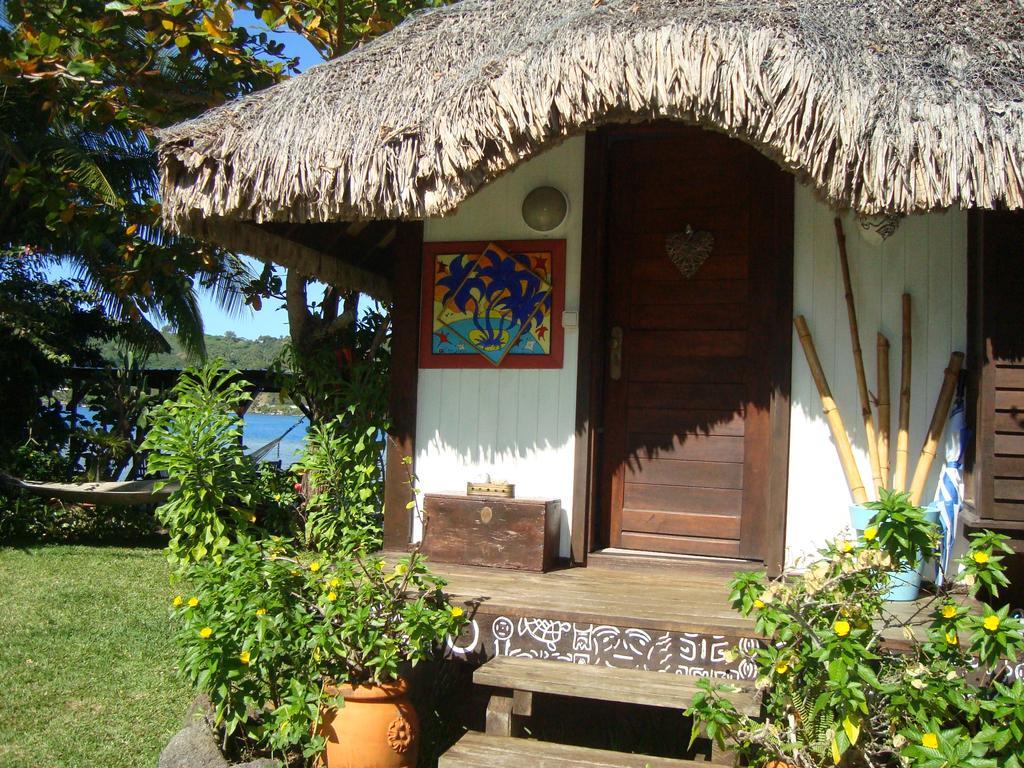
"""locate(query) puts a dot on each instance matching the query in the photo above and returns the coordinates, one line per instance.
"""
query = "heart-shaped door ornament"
(689, 249)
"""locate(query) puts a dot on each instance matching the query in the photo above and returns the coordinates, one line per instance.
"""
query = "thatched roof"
(896, 105)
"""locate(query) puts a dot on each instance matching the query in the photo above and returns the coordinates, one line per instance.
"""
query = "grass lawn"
(88, 671)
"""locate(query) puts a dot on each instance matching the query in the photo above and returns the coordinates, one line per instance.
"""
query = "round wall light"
(544, 209)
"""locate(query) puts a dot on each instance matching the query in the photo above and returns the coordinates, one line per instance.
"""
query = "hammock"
(258, 454)
(125, 493)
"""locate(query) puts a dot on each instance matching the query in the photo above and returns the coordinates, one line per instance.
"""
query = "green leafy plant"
(344, 474)
(45, 328)
(277, 500)
(196, 438)
(343, 392)
(838, 691)
(120, 399)
(266, 629)
(346, 367)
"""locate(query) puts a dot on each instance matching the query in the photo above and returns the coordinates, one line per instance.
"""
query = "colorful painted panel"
(493, 304)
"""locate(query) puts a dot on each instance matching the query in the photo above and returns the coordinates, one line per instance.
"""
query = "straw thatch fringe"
(894, 105)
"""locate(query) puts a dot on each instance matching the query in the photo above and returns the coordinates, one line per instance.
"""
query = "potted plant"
(307, 654)
(301, 654)
(845, 681)
(905, 584)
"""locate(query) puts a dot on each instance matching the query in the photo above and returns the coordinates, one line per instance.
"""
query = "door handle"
(615, 353)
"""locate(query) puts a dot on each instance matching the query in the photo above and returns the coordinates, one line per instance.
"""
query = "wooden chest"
(502, 533)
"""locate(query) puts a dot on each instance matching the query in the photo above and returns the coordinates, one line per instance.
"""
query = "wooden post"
(935, 430)
(899, 478)
(858, 362)
(832, 415)
(408, 255)
(506, 713)
(884, 409)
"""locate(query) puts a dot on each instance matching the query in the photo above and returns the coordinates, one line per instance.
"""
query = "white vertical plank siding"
(926, 257)
(516, 425)
(519, 425)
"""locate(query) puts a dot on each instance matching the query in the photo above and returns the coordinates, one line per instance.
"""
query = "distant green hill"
(233, 349)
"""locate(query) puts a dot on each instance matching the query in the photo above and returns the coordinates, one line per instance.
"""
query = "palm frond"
(88, 173)
(225, 287)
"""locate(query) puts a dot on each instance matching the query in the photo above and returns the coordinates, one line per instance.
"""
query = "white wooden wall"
(926, 257)
(519, 425)
(516, 425)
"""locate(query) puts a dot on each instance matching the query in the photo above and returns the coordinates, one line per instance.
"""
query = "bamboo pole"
(884, 409)
(938, 425)
(899, 478)
(858, 363)
(832, 415)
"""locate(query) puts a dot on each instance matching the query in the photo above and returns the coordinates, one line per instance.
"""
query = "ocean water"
(261, 428)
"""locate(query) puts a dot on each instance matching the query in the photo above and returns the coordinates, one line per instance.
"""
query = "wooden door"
(698, 356)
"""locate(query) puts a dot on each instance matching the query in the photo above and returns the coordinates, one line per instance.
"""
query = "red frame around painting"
(554, 359)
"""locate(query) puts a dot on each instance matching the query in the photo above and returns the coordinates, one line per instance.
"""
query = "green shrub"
(27, 518)
(196, 438)
(344, 508)
(835, 694)
(277, 500)
(266, 628)
(342, 389)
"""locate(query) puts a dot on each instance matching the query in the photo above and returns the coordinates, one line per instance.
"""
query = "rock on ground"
(195, 745)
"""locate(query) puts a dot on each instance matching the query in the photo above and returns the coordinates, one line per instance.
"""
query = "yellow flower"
(332, 596)
(252, 518)
(401, 569)
(178, 600)
(951, 638)
(335, 582)
(841, 627)
(782, 667)
(205, 632)
(870, 533)
(980, 557)
(457, 611)
(991, 623)
(930, 740)
(846, 546)
(193, 602)
(261, 611)
(948, 611)
(244, 657)
(759, 603)
(314, 566)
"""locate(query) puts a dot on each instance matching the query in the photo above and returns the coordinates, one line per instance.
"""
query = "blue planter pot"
(905, 584)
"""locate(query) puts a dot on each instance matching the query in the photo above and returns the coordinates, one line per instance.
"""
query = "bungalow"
(657, 182)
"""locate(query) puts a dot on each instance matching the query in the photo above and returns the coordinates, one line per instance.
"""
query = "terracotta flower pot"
(377, 727)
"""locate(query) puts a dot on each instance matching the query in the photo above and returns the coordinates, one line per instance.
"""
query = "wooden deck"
(688, 596)
(668, 615)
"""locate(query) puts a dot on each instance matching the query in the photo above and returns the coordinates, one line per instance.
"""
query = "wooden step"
(628, 686)
(476, 750)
